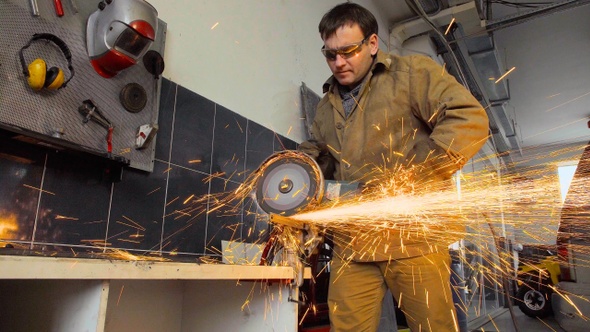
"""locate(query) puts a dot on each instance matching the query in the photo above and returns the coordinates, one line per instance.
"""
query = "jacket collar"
(383, 61)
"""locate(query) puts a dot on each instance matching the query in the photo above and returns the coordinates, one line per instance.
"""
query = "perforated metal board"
(45, 112)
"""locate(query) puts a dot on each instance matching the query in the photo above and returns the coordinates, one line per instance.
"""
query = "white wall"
(249, 55)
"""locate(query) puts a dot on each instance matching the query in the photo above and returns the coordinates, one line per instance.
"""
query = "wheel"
(534, 302)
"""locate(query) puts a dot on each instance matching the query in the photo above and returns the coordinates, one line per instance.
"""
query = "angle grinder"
(291, 181)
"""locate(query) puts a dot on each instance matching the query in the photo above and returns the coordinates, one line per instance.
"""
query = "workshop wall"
(251, 56)
(55, 202)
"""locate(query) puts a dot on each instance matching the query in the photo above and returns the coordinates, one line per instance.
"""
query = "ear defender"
(37, 74)
(40, 77)
(54, 78)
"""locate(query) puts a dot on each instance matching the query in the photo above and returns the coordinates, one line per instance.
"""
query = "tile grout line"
(39, 201)
(211, 180)
(106, 235)
(168, 170)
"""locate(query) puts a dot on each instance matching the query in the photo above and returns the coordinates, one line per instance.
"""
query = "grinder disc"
(289, 182)
(133, 97)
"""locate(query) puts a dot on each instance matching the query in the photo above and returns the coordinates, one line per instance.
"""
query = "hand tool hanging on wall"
(59, 8)
(90, 112)
(34, 8)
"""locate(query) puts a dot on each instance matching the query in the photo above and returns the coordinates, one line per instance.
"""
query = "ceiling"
(544, 102)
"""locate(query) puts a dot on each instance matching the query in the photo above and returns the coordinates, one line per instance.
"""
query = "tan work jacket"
(409, 113)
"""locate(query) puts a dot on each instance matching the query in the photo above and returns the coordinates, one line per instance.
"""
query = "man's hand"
(320, 152)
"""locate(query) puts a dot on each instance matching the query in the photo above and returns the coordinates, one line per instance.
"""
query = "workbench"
(81, 294)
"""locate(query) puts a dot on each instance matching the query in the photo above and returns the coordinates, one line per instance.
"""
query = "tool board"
(53, 117)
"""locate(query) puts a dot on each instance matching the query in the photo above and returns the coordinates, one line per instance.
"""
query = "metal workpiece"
(286, 221)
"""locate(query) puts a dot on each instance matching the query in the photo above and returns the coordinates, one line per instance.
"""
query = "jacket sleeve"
(459, 123)
(317, 148)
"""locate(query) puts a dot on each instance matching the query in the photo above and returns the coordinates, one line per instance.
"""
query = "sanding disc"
(289, 182)
(133, 97)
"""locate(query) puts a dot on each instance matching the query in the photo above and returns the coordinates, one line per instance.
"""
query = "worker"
(378, 109)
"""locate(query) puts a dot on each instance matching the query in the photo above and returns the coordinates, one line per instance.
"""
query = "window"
(566, 174)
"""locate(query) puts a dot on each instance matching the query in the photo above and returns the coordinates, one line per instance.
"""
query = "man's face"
(350, 71)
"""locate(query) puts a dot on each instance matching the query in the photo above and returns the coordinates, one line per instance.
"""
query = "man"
(382, 111)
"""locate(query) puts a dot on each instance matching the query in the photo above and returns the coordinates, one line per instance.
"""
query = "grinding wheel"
(289, 182)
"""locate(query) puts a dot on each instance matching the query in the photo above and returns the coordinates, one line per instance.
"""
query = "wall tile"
(225, 220)
(259, 146)
(229, 144)
(193, 131)
(165, 116)
(74, 202)
(21, 171)
(185, 220)
(255, 227)
(282, 143)
(138, 208)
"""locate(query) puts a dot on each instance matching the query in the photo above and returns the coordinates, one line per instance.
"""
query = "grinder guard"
(289, 181)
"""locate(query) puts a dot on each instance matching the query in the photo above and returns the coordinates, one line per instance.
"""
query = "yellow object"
(39, 76)
(57, 81)
(37, 72)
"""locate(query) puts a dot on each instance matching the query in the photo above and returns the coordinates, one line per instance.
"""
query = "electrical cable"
(414, 5)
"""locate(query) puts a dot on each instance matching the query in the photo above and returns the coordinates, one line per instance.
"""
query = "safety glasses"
(344, 51)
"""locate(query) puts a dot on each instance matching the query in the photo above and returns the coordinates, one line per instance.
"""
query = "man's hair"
(347, 14)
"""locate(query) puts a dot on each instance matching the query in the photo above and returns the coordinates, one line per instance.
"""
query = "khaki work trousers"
(420, 285)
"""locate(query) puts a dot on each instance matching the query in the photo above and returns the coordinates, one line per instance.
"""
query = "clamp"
(90, 112)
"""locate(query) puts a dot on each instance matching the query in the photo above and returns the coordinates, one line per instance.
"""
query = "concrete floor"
(503, 323)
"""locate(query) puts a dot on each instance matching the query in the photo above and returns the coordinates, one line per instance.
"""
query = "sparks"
(505, 74)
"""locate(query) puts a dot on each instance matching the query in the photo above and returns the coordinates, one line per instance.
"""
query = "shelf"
(26, 267)
(107, 295)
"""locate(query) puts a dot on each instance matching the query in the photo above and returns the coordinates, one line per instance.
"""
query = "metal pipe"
(534, 13)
